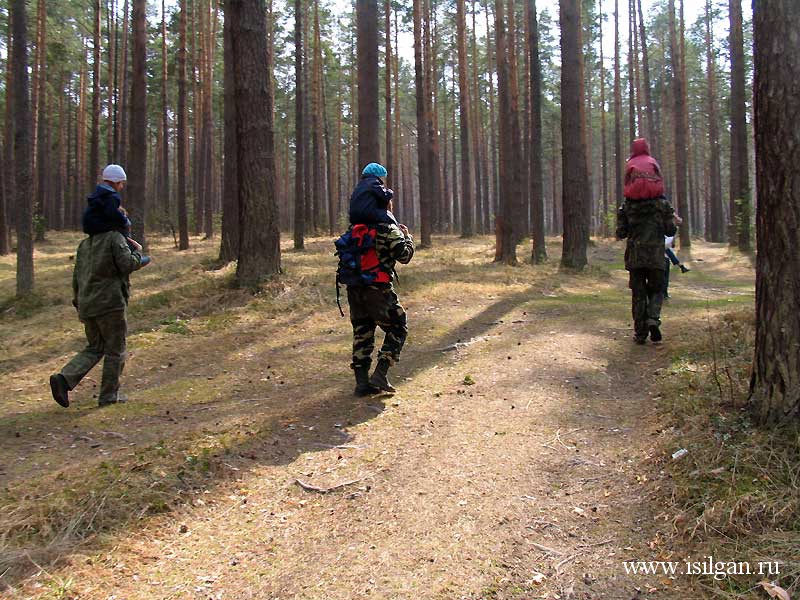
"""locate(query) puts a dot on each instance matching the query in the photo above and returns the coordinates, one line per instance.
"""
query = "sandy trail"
(518, 460)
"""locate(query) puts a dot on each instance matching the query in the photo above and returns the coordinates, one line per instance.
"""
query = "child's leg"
(672, 257)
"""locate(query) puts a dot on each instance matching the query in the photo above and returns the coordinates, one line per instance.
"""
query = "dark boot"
(655, 334)
(60, 389)
(379, 378)
(363, 385)
(684, 268)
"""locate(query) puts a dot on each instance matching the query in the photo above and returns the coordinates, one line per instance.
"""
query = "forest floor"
(522, 457)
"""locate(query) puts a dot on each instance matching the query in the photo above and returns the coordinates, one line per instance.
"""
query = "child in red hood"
(642, 173)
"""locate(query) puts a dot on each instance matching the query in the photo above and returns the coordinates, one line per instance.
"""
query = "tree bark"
(367, 58)
(679, 91)
(93, 171)
(299, 142)
(259, 246)
(22, 147)
(603, 138)
(164, 192)
(575, 192)
(740, 196)
(775, 383)
(229, 248)
(467, 203)
(717, 228)
(183, 150)
(618, 192)
(538, 244)
(652, 134)
(423, 143)
(137, 161)
(122, 144)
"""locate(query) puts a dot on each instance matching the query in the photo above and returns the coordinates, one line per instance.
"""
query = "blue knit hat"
(375, 169)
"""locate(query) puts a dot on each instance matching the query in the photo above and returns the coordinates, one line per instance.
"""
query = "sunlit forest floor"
(524, 455)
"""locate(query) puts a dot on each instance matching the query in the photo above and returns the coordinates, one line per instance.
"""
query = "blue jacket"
(102, 213)
(369, 202)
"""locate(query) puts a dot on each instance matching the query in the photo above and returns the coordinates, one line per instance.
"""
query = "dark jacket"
(102, 213)
(100, 282)
(369, 202)
(645, 223)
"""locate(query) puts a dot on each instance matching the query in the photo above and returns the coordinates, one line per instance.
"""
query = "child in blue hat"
(369, 202)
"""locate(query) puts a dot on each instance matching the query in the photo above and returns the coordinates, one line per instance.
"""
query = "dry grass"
(736, 496)
(223, 382)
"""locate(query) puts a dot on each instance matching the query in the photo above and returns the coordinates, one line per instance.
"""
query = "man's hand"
(678, 220)
(404, 229)
(136, 245)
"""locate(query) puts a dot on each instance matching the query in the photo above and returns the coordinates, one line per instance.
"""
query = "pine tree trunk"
(122, 144)
(618, 192)
(775, 383)
(164, 192)
(715, 191)
(467, 203)
(110, 25)
(493, 142)
(22, 147)
(539, 247)
(93, 170)
(652, 134)
(229, 248)
(9, 173)
(259, 249)
(603, 140)
(80, 141)
(575, 193)
(740, 196)
(299, 119)
(390, 160)
(183, 142)
(367, 59)
(319, 189)
(679, 91)
(137, 161)
(631, 76)
(423, 144)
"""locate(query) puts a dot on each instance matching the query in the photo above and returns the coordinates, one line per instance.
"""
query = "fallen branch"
(565, 561)
(312, 488)
(603, 543)
(546, 549)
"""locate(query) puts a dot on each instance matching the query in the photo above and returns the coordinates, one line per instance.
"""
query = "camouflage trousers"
(105, 337)
(647, 289)
(370, 307)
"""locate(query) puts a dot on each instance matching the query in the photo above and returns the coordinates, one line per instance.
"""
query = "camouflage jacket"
(645, 223)
(392, 247)
(100, 282)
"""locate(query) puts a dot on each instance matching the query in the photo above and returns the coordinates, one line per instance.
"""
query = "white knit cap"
(114, 173)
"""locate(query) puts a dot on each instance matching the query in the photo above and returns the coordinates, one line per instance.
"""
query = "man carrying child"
(101, 287)
(380, 243)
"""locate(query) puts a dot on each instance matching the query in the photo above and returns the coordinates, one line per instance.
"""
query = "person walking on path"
(101, 288)
(644, 219)
(368, 253)
(670, 258)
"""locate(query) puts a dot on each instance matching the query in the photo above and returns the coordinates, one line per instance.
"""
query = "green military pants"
(374, 306)
(105, 337)
(647, 291)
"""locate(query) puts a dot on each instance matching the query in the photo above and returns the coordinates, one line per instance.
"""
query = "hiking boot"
(684, 268)
(363, 385)
(379, 378)
(60, 389)
(116, 399)
(655, 334)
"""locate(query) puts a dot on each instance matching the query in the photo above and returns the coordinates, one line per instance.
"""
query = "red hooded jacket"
(642, 173)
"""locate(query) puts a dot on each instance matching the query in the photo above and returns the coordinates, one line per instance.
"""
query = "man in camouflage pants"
(645, 223)
(101, 289)
(377, 305)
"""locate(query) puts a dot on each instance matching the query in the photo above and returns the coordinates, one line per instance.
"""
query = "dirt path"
(518, 460)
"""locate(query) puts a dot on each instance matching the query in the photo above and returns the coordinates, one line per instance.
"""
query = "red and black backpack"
(358, 258)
